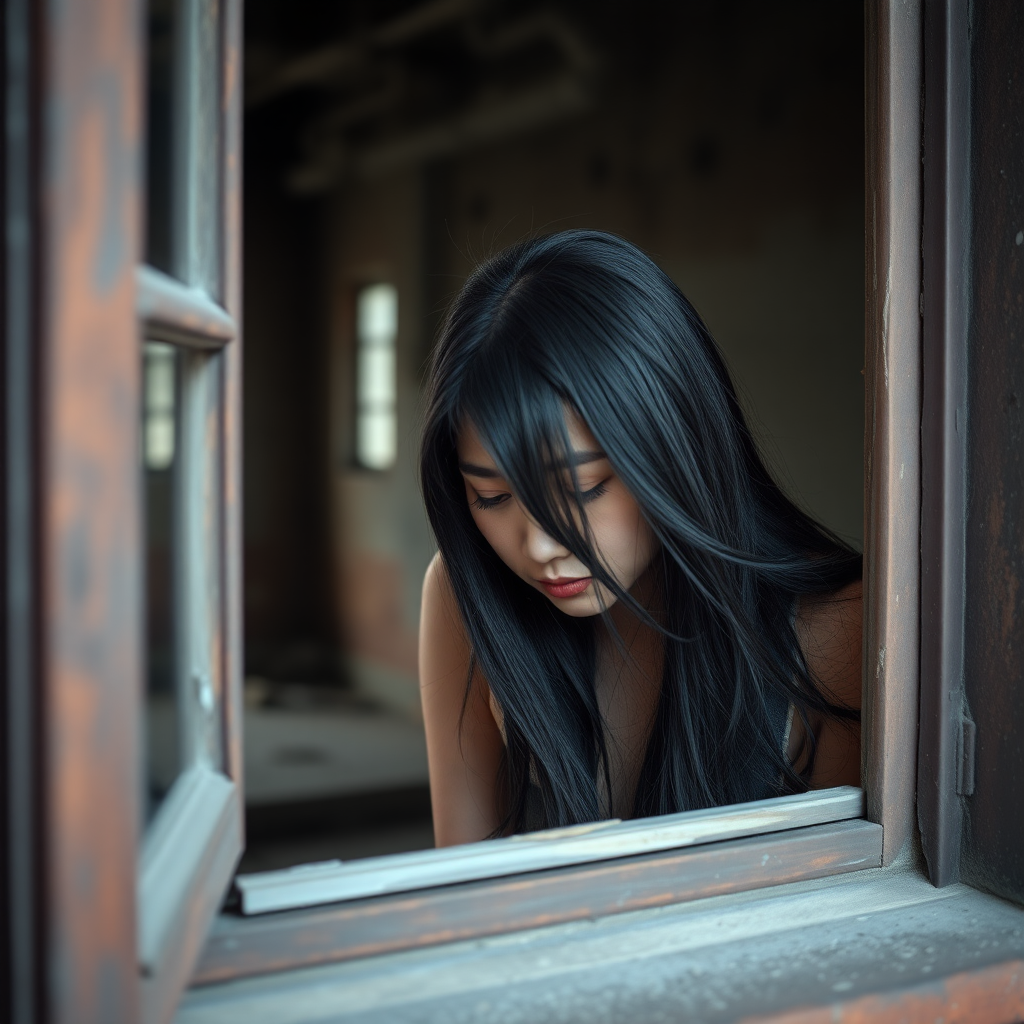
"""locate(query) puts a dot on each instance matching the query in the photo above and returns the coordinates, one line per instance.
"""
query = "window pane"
(376, 377)
(376, 332)
(162, 751)
(376, 434)
(377, 315)
(200, 460)
(181, 467)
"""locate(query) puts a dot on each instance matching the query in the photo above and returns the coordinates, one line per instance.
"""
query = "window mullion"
(179, 314)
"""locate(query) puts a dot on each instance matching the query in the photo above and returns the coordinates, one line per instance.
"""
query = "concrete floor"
(329, 746)
(329, 774)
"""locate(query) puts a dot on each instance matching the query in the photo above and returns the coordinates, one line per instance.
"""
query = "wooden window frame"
(84, 942)
(191, 848)
(73, 298)
(293, 938)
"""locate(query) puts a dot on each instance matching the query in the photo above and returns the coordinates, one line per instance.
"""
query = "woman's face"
(620, 535)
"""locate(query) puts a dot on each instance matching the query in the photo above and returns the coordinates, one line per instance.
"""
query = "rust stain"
(993, 995)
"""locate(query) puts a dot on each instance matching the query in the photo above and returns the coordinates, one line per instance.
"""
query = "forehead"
(471, 449)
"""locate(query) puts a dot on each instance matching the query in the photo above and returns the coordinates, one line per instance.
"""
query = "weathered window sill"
(880, 940)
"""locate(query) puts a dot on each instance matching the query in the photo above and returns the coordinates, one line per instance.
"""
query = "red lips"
(566, 586)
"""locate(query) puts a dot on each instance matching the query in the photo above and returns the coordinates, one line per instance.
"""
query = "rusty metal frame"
(892, 460)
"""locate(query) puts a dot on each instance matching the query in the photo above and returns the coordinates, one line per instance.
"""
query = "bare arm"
(829, 630)
(463, 760)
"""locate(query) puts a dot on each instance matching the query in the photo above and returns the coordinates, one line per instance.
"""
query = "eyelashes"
(483, 503)
(586, 497)
(594, 492)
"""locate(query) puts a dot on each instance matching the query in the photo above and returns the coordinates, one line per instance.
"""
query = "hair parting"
(583, 322)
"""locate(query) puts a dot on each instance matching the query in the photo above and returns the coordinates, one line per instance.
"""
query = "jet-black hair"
(584, 321)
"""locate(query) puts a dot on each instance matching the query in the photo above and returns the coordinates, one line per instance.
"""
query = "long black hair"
(585, 321)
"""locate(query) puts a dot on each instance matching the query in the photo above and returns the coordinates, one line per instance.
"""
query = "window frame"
(89, 936)
(190, 851)
(80, 655)
(848, 949)
(292, 938)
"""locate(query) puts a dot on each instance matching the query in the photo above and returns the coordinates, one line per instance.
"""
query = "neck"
(632, 627)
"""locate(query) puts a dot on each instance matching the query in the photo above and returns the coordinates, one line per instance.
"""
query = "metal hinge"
(965, 736)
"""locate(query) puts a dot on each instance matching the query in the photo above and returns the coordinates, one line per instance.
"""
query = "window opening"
(376, 413)
(360, 199)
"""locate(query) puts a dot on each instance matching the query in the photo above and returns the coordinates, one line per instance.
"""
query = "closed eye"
(594, 492)
(483, 503)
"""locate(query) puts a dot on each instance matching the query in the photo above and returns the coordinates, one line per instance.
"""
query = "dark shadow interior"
(398, 142)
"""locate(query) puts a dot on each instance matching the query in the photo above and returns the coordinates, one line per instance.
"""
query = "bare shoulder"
(464, 745)
(435, 580)
(444, 645)
(829, 628)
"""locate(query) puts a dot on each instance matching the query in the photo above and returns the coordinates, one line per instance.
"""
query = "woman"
(626, 615)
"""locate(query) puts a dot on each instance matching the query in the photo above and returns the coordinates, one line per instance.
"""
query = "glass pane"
(161, 144)
(377, 440)
(161, 475)
(199, 458)
(377, 314)
(204, 78)
(376, 377)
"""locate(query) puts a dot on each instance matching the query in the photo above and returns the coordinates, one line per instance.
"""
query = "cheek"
(496, 532)
(622, 534)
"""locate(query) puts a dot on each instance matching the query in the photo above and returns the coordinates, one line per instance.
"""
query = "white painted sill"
(332, 882)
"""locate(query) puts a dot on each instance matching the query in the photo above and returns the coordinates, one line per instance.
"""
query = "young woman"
(626, 615)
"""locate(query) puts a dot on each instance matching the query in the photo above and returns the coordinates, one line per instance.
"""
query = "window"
(120, 399)
(376, 415)
(192, 822)
(125, 364)
(460, 889)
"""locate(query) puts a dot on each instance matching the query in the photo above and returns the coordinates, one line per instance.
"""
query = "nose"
(539, 546)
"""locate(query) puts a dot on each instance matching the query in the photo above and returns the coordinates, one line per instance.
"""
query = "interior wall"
(726, 140)
(290, 632)
(735, 158)
(381, 542)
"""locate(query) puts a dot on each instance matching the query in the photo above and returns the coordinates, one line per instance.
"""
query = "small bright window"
(376, 421)
(158, 398)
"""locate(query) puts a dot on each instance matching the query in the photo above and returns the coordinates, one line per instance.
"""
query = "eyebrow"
(575, 459)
